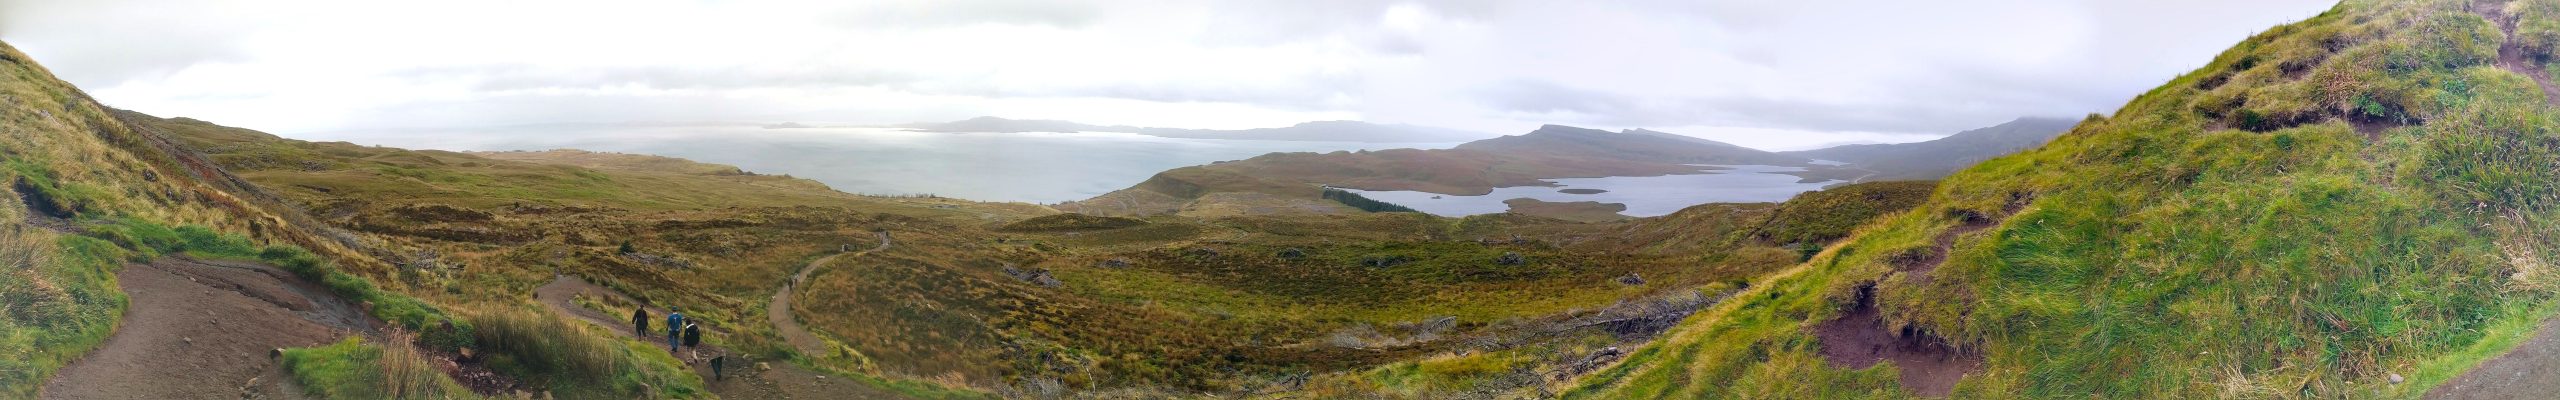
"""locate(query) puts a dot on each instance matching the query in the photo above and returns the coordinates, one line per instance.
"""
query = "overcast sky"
(1770, 74)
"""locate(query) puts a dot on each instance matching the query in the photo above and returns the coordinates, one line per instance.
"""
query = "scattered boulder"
(1631, 280)
(1387, 261)
(1292, 253)
(1115, 263)
(1511, 258)
(1036, 276)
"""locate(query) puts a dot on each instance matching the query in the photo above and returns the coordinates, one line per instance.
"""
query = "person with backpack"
(675, 327)
(693, 335)
(640, 321)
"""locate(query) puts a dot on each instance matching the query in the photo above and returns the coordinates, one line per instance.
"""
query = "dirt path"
(200, 329)
(779, 310)
(745, 381)
(2532, 370)
(2511, 55)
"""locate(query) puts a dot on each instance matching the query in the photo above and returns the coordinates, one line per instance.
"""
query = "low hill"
(2351, 206)
(1938, 158)
(1317, 131)
(1631, 145)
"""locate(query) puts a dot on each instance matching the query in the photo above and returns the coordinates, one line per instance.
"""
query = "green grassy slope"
(66, 162)
(2330, 202)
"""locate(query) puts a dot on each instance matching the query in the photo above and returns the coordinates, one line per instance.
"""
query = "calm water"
(1029, 167)
(1645, 196)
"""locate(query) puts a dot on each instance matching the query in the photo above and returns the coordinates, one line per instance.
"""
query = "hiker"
(640, 321)
(693, 335)
(716, 361)
(675, 326)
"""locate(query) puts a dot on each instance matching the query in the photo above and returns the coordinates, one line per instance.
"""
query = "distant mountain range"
(1632, 145)
(1938, 158)
(1551, 151)
(1318, 131)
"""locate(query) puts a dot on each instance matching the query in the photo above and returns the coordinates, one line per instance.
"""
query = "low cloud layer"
(1769, 74)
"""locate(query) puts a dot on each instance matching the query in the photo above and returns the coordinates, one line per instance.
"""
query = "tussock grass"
(574, 361)
(58, 299)
(356, 369)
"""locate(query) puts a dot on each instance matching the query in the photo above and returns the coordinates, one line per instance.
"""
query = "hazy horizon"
(1775, 76)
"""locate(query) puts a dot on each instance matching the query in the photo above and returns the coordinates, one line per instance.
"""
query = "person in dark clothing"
(640, 321)
(716, 361)
(693, 335)
(675, 326)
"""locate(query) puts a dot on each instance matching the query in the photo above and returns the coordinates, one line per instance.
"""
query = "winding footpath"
(746, 380)
(780, 312)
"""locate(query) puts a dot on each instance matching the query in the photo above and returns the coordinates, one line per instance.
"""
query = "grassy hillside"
(70, 165)
(2327, 204)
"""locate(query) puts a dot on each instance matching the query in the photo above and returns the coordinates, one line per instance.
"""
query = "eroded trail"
(2532, 369)
(745, 380)
(779, 309)
(2511, 56)
(198, 329)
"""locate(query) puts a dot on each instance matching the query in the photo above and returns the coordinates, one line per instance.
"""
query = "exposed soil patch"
(199, 330)
(42, 212)
(1919, 262)
(1859, 338)
(2511, 56)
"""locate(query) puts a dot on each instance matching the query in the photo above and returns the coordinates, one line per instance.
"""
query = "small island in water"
(1582, 191)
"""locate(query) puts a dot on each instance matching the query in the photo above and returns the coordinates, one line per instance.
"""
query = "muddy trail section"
(203, 329)
(2511, 55)
(745, 378)
(1859, 338)
(780, 312)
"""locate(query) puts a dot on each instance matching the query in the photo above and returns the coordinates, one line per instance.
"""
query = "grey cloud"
(1538, 96)
(923, 14)
(1300, 93)
(98, 44)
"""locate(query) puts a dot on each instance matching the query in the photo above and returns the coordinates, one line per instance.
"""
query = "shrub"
(1364, 203)
(548, 351)
(353, 369)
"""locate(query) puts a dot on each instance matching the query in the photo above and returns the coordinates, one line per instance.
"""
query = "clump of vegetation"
(355, 369)
(1364, 203)
(570, 359)
(59, 301)
(1070, 222)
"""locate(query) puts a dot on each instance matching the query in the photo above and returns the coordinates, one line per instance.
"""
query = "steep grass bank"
(2329, 203)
